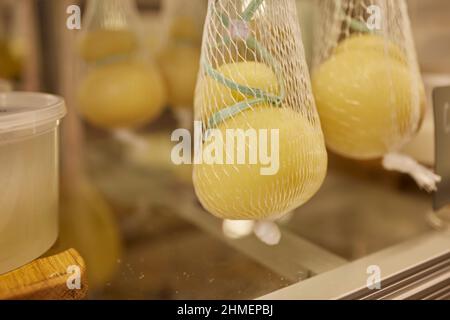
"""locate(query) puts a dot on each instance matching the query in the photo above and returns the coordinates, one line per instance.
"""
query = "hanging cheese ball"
(240, 191)
(179, 65)
(102, 43)
(365, 98)
(254, 84)
(122, 94)
(213, 96)
(377, 44)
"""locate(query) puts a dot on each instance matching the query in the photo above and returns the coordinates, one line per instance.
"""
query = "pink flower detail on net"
(239, 29)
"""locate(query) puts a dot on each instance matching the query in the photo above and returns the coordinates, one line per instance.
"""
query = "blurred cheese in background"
(102, 43)
(10, 64)
(179, 65)
(122, 87)
(153, 25)
(20, 55)
(179, 59)
(185, 19)
(88, 224)
(122, 94)
(11, 46)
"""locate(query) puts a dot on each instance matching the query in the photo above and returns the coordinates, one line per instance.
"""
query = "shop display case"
(326, 251)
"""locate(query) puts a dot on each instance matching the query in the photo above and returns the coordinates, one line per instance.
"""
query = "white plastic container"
(28, 175)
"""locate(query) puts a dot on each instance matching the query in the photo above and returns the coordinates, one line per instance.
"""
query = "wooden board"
(46, 278)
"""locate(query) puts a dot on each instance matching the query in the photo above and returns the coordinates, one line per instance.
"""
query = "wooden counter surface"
(49, 278)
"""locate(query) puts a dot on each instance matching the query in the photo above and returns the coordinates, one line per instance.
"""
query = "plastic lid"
(30, 112)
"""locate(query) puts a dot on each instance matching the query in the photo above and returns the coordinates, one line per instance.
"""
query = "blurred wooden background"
(431, 28)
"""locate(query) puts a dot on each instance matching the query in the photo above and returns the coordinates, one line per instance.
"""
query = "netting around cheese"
(366, 83)
(253, 75)
(366, 80)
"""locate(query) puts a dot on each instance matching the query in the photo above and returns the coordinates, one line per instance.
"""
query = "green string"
(354, 24)
(260, 96)
(357, 25)
(250, 11)
(245, 90)
(254, 44)
(229, 112)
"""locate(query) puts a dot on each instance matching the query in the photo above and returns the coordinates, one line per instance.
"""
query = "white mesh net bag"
(367, 84)
(253, 97)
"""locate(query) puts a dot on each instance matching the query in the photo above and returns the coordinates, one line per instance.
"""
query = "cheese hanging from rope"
(254, 82)
(366, 78)
(365, 100)
(240, 191)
